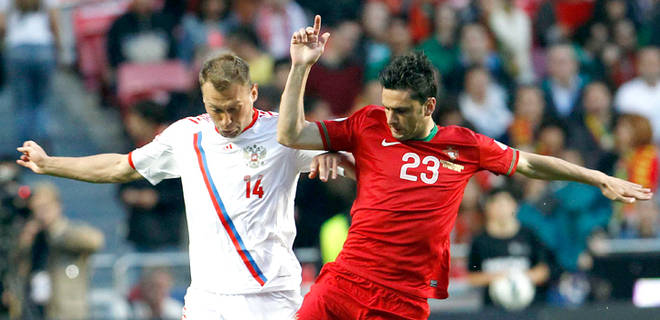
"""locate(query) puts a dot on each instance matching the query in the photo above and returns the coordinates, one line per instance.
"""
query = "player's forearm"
(101, 168)
(551, 168)
(292, 116)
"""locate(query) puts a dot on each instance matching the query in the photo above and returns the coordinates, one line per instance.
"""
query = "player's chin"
(229, 133)
(399, 135)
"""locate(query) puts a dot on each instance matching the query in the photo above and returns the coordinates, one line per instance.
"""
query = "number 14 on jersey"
(258, 190)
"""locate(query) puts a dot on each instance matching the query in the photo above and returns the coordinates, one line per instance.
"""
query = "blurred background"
(575, 79)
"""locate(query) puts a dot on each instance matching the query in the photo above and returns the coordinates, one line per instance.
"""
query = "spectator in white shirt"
(483, 103)
(29, 29)
(642, 94)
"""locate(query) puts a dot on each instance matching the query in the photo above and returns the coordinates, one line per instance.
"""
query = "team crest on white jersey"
(254, 155)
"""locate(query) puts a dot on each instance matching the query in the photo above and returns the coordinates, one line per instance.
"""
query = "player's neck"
(500, 229)
(429, 131)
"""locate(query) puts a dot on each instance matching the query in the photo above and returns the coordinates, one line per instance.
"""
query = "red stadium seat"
(91, 23)
(137, 81)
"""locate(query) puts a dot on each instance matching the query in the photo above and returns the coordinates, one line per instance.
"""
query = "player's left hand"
(307, 44)
(624, 191)
(327, 165)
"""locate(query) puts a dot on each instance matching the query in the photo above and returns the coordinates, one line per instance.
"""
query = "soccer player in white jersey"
(238, 183)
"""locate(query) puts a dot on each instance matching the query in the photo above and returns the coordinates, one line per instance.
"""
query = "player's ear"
(254, 92)
(429, 106)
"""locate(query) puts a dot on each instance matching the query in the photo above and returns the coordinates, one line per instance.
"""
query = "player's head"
(409, 89)
(228, 93)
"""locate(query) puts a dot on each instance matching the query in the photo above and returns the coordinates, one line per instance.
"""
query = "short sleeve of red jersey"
(496, 157)
(338, 135)
(155, 161)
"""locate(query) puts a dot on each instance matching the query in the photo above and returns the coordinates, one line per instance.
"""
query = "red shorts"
(340, 294)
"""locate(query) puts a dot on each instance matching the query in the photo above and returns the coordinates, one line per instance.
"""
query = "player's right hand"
(307, 44)
(33, 156)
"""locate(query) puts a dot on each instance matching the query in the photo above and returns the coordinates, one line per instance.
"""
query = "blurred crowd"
(575, 79)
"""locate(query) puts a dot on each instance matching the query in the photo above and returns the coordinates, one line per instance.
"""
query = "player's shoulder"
(193, 122)
(266, 116)
(371, 110)
(458, 134)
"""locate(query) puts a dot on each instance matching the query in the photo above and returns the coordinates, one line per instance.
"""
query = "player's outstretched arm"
(101, 168)
(292, 129)
(551, 168)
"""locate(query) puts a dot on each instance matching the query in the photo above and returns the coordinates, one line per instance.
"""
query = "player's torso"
(239, 204)
(412, 175)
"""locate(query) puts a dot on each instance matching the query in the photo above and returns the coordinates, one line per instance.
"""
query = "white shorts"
(276, 305)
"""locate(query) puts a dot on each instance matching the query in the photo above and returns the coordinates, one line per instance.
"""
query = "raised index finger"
(317, 24)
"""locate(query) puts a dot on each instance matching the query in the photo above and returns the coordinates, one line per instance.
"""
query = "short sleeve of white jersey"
(156, 160)
(304, 159)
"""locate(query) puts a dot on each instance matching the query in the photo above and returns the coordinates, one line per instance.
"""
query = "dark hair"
(224, 70)
(412, 71)
(245, 34)
(150, 111)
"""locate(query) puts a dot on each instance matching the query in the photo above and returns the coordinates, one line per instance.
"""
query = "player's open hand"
(331, 164)
(307, 44)
(33, 156)
(624, 191)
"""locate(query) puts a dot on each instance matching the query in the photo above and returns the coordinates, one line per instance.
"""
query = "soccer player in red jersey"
(411, 175)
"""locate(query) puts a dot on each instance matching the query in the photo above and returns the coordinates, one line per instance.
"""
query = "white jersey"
(238, 195)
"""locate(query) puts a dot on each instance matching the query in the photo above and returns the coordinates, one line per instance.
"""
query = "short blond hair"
(224, 70)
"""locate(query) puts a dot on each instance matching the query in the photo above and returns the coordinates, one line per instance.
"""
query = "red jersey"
(408, 194)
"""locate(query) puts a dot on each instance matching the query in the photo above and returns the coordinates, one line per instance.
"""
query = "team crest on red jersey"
(254, 155)
(451, 153)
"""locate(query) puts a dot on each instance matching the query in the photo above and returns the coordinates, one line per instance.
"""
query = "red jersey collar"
(255, 115)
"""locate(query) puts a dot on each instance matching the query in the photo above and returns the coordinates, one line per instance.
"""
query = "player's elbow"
(286, 138)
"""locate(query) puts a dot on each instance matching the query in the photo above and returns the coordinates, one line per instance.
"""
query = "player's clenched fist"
(32, 156)
(307, 44)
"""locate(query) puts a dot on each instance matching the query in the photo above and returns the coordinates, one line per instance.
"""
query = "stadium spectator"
(476, 50)
(592, 134)
(375, 23)
(31, 41)
(557, 21)
(564, 215)
(275, 21)
(504, 16)
(337, 78)
(398, 42)
(483, 103)
(504, 246)
(469, 221)
(642, 94)
(141, 35)
(155, 212)
(551, 139)
(153, 300)
(441, 47)
(13, 215)
(528, 108)
(203, 28)
(69, 246)
(243, 41)
(563, 85)
(269, 95)
(638, 162)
